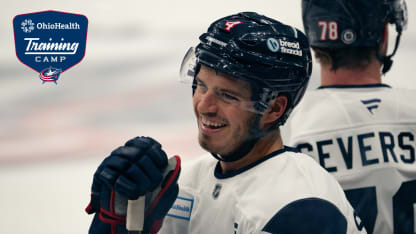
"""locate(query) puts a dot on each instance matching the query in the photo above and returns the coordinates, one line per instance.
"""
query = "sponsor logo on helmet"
(284, 46)
(348, 36)
(216, 41)
(290, 47)
(273, 45)
(293, 45)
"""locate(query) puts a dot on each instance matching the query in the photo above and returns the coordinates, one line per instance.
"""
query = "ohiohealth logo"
(56, 42)
(182, 208)
(27, 25)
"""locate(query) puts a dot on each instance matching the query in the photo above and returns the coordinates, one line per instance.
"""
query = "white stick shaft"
(135, 214)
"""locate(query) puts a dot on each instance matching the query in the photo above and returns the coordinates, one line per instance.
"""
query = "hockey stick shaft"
(135, 215)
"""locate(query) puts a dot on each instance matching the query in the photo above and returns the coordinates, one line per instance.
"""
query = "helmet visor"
(188, 67)
(400, 15)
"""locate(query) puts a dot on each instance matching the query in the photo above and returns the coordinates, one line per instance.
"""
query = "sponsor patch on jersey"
(182, 208)
(50, 42)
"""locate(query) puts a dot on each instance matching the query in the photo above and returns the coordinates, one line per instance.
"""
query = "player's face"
(223, 122)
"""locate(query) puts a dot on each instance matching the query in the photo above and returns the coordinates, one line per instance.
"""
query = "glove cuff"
(111, 218)
(167, 184)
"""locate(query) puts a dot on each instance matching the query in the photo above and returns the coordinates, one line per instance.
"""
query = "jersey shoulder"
(324, 110)
(195, 169)
(307, 196)
(405, 102)
(292, 175)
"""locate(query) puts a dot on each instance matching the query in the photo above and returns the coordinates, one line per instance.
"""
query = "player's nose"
(207, 102)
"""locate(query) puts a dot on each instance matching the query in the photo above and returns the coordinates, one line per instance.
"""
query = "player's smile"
(208, 126)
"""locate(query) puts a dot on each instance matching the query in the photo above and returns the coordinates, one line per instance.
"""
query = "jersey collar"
(219, 175)
(354, 86)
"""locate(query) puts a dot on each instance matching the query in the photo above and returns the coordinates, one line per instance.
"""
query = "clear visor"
(401, 14)
(188, 67)
(228, 95)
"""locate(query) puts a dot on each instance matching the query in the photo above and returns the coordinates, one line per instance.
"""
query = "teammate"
(360, 130)
(247, 74)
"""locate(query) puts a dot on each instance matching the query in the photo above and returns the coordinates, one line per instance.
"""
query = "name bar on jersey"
(35, 47)
(59, 26)
(363, 149)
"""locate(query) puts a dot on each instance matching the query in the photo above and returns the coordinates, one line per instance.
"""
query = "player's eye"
(200, 85)
(228, 97)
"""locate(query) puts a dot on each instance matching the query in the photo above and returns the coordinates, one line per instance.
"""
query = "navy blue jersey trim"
(219, 175)
(307, 216)
(354, 86)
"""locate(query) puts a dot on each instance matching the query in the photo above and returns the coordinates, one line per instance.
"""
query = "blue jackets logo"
(50, 42)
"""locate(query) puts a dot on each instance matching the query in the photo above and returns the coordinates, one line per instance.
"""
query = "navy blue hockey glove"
(138, 168)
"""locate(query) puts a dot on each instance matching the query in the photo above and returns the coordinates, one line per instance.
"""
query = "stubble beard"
(233, 144)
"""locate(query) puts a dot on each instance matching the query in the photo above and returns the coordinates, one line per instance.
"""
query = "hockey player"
(360, 130)
(247, 74)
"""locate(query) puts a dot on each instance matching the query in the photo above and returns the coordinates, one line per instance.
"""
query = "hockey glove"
(138, 168)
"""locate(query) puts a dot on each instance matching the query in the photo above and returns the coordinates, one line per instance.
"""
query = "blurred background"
(52, 137)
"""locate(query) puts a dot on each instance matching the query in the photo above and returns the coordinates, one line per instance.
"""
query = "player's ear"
(385, 40)
(277, 107)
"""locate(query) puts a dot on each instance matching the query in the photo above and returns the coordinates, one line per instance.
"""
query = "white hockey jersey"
(365, 137)
(286, 192)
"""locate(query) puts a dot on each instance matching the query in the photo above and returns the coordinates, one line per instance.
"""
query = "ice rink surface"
(52, 137)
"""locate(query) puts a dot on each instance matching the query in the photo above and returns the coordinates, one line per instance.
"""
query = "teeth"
(212, 124)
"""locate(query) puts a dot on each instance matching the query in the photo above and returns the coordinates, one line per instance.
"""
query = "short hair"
(350, 58)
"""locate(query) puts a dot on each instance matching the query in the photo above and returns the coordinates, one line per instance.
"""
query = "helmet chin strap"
(387, 61)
